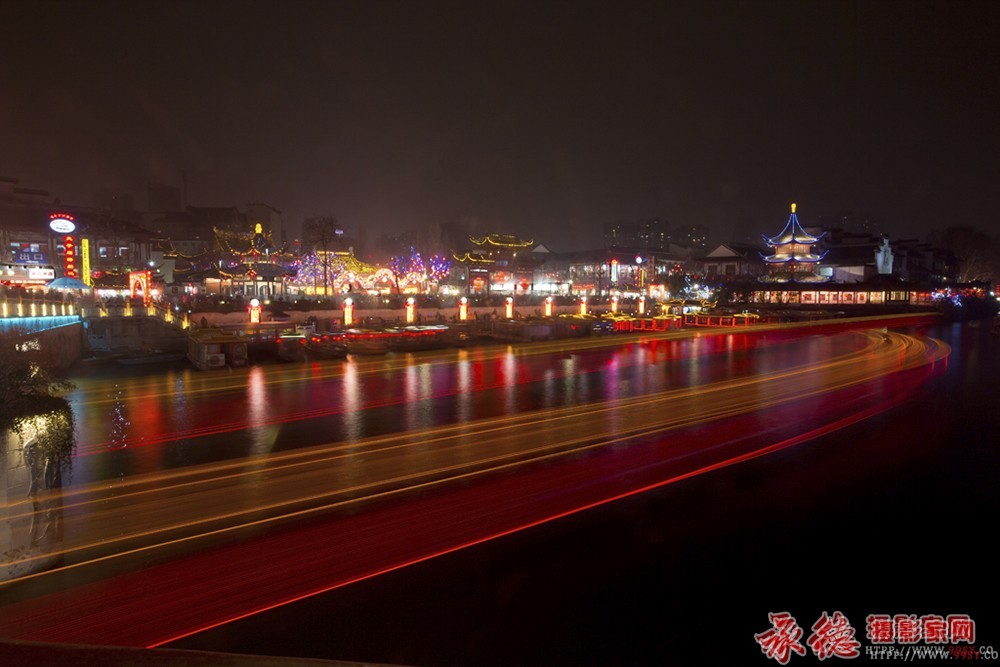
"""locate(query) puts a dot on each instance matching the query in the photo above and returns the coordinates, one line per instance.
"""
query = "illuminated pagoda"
(255, 266)
(241, 263)
(793, 259)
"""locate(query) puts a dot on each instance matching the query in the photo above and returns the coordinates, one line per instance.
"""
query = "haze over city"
(541, 119)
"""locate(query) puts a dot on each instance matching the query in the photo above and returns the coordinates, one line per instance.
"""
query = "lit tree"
(438, 267)
(977, 252)
(407, 264)
(398, 264)
(27, 374)
(322, 234)
(309, 270)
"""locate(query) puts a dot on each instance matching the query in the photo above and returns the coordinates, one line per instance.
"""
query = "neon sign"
(69, 261)
(62, 223)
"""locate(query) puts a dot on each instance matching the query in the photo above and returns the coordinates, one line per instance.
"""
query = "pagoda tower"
(793, 259)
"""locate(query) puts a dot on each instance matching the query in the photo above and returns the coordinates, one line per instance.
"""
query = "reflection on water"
(135, 421)
(351, 397)
(119, 421)
(35, 455)
(263, 435)
(463, 385)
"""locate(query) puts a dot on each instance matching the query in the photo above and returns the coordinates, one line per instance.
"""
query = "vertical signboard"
(85, 262)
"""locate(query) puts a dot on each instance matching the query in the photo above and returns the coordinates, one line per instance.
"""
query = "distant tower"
(883, 258)
(793, 259)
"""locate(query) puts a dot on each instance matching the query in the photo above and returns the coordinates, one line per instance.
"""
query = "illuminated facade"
(626, 272)
(247, 263)
(895, 293)
(41, 240)
(498, 263)
(732, 261)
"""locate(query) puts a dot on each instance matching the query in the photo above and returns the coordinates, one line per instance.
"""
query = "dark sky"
(540, 118)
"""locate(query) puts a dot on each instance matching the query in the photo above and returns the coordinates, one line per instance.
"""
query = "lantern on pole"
(348, 312)
(254, 311)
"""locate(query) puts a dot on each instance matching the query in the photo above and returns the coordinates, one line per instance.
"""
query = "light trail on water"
(182, 508)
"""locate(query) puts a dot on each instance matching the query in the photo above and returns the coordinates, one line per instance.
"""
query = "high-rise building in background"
(645, 234)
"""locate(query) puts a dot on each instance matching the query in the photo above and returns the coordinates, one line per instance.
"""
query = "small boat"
(212, 348)
(292, 347)
(461, 337)
(359, 341)
(416, 338)
(326, 346)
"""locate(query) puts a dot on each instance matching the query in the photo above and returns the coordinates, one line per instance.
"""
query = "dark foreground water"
(894, 515)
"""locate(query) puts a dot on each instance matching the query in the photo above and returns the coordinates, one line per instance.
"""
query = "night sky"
(544, 119)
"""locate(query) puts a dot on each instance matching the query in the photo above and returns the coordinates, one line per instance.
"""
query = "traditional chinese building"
(241, 263)
(255, 265)
(793, 258)
(498, 262)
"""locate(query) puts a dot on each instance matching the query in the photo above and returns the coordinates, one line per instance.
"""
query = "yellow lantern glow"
(348, 312)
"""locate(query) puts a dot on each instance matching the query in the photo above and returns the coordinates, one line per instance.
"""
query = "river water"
(892, 515)
(889, 515)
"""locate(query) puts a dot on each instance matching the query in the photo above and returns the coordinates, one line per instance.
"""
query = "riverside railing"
(181, 321)
(29, 307)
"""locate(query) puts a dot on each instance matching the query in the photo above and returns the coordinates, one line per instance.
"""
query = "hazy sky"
(539, 118)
